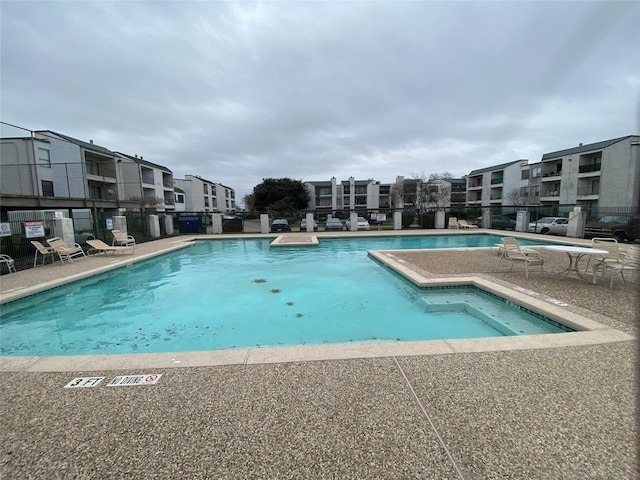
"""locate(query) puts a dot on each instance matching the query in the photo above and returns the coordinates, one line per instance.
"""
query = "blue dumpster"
(190, 225)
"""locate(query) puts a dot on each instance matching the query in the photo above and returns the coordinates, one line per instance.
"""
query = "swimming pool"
(243, 293)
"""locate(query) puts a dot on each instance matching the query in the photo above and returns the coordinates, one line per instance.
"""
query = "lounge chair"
(100, 247)
(453, 223)
(122, 239)
(465, 225)
(514, 253)
(43, 250)
(9, 262)
(626, 261)
(64, 251)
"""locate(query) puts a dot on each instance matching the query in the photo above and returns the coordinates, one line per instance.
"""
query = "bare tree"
(248, 202)
(440, 176)
(516, 197)
(148, 202)
(431, 192)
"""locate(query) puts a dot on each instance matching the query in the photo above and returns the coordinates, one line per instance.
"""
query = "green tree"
(280, 194)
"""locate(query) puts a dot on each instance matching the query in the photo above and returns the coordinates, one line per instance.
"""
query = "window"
(525, 175)
(205, 188)
(179, 198)
(206, 201)
(47, 188)
(43, 158)
(535, 190)
(536, 172)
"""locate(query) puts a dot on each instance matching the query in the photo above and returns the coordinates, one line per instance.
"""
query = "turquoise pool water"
(243, 293)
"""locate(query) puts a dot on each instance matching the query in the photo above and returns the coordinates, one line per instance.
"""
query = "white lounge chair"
(465, 225)
(43, 250)
(612, 255)
(122, 239)
(9, 262)
(514, 253)
(64, 251)
(100, 247)
(453, 223)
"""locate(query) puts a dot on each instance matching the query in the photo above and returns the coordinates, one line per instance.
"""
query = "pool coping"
(589, 332)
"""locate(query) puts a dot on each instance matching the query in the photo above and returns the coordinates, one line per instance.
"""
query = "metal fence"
(17, 243)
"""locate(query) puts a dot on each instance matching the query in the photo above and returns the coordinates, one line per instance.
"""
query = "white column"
(216, 223)
(168, 224)
(575, 227)
(522, 221)
(397, 220)
(154, 226)
(310, 222)
(120, 223)
(353, 218)
(63, 228)
(440, 219)
(264, 223)
(486, 218)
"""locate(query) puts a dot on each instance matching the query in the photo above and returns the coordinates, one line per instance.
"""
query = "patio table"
(575, 254)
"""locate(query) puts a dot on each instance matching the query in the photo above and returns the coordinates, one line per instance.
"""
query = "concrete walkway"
(539, 413)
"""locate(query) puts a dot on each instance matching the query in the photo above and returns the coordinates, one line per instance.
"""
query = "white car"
(362, 223)
(550, 225)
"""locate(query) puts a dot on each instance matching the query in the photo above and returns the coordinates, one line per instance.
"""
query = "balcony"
(101, 170)
(554, 175)
(589, 168)
(497, 180)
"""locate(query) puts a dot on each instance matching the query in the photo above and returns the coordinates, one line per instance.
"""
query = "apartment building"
(226, 198)
(602, 175)
(201, 195)
(361, 195)
(50, 170)
(498, 185)
(146, 182)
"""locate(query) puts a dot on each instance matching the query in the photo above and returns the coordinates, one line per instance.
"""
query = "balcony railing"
(100, 169)
(497, 180)
(589, 168)
(587, 191)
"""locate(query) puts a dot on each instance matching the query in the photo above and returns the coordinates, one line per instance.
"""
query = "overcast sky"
(240, 91)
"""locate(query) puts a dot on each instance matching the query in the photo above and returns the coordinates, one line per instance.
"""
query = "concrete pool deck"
(519, 413)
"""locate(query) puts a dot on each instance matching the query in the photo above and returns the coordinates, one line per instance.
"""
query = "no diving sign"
(128, 380)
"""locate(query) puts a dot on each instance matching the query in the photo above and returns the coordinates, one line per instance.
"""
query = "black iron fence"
(15, 237)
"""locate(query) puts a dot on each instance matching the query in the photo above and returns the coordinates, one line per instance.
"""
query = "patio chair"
(122, 239)
(453, 223)
(9, 262)
(465, 225)
(100, 247)
(514, 253)
(612, 256)
(43, 250)
(629, 261)
(64, 251)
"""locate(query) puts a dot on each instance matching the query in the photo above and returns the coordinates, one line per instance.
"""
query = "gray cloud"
(236, 92)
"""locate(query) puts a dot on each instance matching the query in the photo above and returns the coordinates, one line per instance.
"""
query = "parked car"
(550, 225)
(622, 227)
(333, 224)
(499, 222)
(280, 225)
(82, 237)
(303, 225)
(362, 224)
